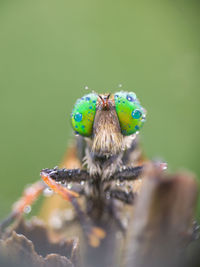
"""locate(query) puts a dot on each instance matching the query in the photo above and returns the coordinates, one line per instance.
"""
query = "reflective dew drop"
(136, 114)
(78, 117)
(27, 209)
(130, 98)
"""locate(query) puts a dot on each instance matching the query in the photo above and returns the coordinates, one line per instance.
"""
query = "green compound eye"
(130, 113)
(83, 114)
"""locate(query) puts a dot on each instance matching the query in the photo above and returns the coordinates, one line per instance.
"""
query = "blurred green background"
(50, 50)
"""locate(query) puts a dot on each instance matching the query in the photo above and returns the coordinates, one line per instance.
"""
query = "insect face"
(107, 119)
(107, 137)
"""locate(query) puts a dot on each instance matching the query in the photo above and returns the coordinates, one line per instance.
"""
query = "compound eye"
(130, 113)
(83, 114)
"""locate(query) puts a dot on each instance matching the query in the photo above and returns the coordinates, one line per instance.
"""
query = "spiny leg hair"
(78, 175)
(127, 174)
(67, 175)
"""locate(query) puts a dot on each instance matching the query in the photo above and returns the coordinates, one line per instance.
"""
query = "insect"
(107, 127)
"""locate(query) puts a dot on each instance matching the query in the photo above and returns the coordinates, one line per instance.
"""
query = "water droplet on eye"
(143, 116)
(86, 87)
(78, 117)
(130, 98)
(47, 192)
(27, 209)
(136, 114)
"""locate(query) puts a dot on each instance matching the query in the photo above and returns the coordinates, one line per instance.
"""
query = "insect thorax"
(106, 164)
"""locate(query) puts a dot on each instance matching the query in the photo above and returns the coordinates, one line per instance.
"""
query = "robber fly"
(107, 127)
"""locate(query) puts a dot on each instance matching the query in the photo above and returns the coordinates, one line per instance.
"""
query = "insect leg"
(126, 197)
(127, 174)
(93, 234)
(66, 175)
(29, 196)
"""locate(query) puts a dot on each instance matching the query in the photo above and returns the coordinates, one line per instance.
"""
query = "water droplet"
(120, 85)
(86, 87)
(164, 166)
(143, 116)
(27, 209)
(78, 117)
(136, 114)
(47, 192)
(69, 186)
(130, 98)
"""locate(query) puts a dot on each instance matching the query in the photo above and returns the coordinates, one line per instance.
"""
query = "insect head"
(130, 113)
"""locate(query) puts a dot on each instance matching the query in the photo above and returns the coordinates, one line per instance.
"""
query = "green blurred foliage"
(50, 50)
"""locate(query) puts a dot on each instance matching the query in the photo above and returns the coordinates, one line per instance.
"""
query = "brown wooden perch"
(162, 223)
